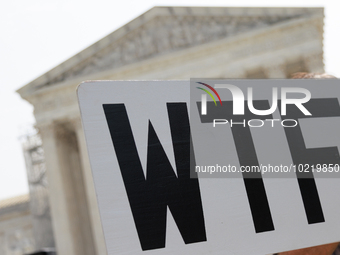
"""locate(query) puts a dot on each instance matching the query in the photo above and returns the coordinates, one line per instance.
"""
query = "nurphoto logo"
(238, 103)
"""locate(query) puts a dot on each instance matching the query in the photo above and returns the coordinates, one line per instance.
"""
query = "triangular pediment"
(163, 30)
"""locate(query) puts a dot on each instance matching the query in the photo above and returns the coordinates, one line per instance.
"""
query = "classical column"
(70, 210)
(91, 194)
(65, 244)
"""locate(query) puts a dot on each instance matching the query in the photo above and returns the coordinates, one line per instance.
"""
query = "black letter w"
(150, 197)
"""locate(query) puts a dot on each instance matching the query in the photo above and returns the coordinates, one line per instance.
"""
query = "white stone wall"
(16, 229)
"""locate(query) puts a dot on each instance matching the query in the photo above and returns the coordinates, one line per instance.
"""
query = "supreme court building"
(163, 43)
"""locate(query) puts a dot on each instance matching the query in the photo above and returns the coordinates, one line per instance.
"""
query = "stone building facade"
(163, 43)
(16, 227)
(39, 196)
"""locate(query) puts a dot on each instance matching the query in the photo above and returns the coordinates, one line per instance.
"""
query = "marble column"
(92, 198)
(70, 211)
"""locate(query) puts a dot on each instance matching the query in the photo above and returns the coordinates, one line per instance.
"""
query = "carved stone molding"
(54, 102)
(165, 34)
(39, 195)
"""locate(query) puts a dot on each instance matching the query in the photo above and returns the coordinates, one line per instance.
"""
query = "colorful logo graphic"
(209, 93)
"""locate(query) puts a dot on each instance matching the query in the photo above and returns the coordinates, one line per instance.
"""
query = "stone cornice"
(133, 70)
(182, 27)
(301, 36)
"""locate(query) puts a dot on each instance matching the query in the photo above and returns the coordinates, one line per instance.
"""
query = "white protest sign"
(145, 166)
